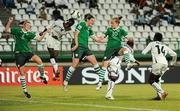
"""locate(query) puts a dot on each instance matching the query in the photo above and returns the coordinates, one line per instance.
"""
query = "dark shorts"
(110, 53)
(22, 58)
(81, 52)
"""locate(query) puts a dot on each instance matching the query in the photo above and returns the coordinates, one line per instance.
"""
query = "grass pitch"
(133, 97)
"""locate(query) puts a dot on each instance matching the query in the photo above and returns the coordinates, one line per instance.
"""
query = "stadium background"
(129, 97)
(141, 23)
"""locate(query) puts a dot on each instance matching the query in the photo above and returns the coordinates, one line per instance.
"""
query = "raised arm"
(41, 35)
(7, 28)
(147, 49)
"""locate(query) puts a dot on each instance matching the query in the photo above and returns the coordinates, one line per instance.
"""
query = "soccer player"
(115, 66)
(160, 63)
(116, 36)
(60, 29)
(23, 52)
(80, 47)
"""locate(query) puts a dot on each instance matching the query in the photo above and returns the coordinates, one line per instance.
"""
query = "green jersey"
(84, 33)
(22, 39)
(115, 37)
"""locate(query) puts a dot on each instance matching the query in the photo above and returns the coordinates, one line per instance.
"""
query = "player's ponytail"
(88, 17)
(117, 19)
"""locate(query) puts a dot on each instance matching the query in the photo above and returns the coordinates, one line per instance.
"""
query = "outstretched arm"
(41, 35)
(99, 39)
(7, 28)
(147, 49)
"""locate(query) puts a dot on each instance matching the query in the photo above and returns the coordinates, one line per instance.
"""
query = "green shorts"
(81, 52)
(110, 53)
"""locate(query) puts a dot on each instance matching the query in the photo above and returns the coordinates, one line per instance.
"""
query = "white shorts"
(159, 69)
(52, 43)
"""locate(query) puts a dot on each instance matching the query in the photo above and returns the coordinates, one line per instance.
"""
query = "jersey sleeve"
(124, 33)
(91, 33)
(32, 35)
(147, 49)
(170, 51)
(107, 32)
(79, 27)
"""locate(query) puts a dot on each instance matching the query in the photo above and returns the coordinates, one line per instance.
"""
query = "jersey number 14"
(160, 49)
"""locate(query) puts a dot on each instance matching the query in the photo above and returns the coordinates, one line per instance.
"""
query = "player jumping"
(59, 29)
(23, 52)
(160, 63)
(80, 48)
(116, 36)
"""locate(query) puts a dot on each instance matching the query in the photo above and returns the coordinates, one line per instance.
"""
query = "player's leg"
(113, 75)
(40, 66)
(102, 73)
(110, 88)
(70, 72)
(154, 80)
(20, 62)
(92, 59)
(53, 59)
(76, 58)
(125, 52)
(109, 53)
(111, 84)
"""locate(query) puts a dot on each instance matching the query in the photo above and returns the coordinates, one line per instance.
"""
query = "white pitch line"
(85, 105)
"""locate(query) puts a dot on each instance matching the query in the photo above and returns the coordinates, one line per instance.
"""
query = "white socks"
(54, 64)
(110, 88)
(158, 88)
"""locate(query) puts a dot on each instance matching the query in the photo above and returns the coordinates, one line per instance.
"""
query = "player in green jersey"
(23, 52)
(116, 38)
(80, 48)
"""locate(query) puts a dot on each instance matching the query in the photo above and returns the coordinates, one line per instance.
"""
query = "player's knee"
(38, 61)
(151, 79)
(157, 79)
(54, 58)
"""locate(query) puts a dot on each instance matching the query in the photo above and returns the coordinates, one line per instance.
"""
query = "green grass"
(85, 98)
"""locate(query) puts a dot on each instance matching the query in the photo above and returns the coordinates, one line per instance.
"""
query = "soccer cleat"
(56, 73)
(109, 97)
(157, 98)
(164, 95)
(44, 80)
(65, 86)
(27, 94)
(56, 79)
(99, 86)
